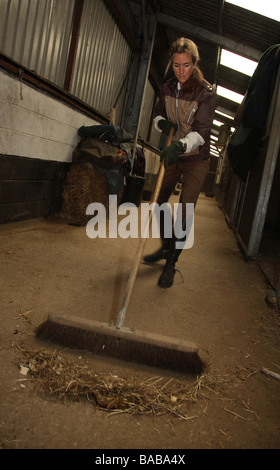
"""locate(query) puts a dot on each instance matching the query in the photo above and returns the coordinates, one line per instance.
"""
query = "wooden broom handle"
(141, 245)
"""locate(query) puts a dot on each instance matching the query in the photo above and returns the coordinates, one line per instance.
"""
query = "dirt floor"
(218, 302)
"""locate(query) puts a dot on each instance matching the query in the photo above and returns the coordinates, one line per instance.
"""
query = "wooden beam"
(78, 10)
(31, 78)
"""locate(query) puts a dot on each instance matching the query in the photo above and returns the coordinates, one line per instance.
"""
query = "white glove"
(156, 120)
(191, 141)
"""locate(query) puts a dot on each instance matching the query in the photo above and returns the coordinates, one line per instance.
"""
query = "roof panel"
(217, 19)
(250, 28)
(198, 12)
(232, 79)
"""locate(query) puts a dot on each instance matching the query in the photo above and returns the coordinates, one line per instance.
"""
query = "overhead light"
(238, 62)
(229, 94)
(217, 123)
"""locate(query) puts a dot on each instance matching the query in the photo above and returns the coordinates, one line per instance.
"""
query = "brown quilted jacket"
(194, 112)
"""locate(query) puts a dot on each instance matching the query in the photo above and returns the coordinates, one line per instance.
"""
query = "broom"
(118, 341)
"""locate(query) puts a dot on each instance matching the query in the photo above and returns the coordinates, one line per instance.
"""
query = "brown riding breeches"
(194, 175)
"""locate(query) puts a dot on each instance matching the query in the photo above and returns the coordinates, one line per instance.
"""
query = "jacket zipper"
(177, 115)
(166, 107)
(191, 113)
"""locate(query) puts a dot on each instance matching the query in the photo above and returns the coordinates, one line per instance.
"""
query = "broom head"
(122, 343)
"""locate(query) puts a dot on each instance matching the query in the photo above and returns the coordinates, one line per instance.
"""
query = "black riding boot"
(168, 272)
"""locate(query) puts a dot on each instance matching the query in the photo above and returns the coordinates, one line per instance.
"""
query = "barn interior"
(68, 66)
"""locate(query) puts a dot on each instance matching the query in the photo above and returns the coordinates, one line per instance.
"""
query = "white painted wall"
(35, 125)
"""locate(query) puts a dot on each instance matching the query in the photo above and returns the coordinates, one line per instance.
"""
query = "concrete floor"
(218, 301)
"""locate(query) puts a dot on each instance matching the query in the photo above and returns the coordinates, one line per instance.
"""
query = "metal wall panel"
(102, 60)
(36, 34)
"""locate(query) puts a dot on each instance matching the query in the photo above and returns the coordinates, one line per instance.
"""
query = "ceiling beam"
(229, 106)
(217, 39)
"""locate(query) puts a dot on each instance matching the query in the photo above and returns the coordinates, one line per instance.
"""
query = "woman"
(187, 102)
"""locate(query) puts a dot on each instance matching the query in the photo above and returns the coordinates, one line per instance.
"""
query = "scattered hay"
(69, 381)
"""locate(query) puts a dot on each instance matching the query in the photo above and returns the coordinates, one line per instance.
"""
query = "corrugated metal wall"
(103, 57)
(37, 34)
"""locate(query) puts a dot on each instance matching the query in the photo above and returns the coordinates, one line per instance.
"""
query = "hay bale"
(83, 186)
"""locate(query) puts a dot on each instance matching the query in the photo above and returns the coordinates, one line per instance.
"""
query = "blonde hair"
(187, 46)
(184, 46)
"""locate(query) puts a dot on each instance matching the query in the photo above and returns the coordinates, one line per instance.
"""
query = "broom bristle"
(121, 348)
